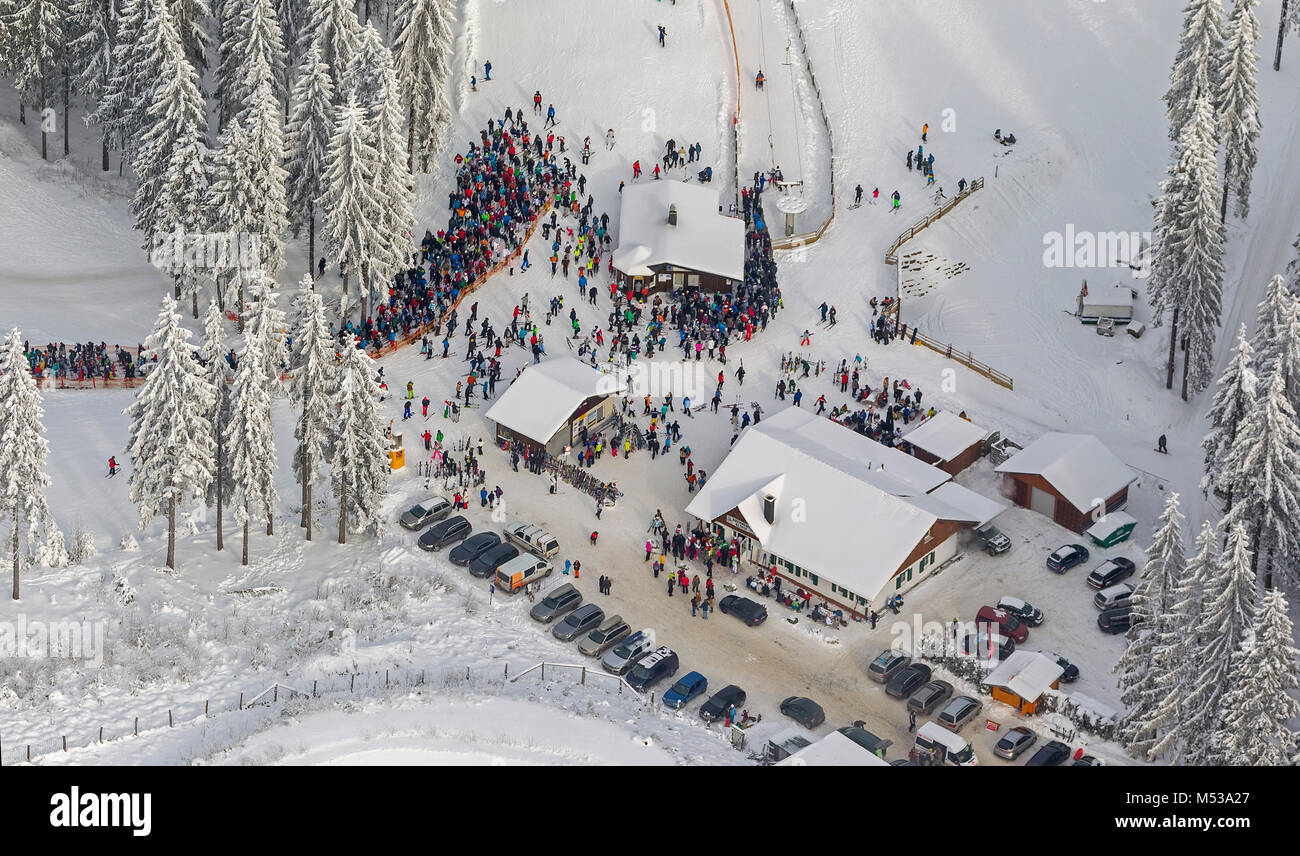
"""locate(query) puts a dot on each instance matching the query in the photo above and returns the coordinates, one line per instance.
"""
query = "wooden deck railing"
(891, 254)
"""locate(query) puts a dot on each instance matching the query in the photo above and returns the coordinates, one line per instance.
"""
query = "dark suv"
(1111, 572)
(748, 611)
(907, 680)
(447, 532)
(653, 668)
(1063, 558)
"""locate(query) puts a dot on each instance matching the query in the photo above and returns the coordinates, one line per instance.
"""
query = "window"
(813, 577)
(679, 279)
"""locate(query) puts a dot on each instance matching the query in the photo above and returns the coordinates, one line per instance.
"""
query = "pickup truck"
(534, 539)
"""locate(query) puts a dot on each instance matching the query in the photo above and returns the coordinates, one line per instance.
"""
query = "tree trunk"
(1173, 344)
(67, 97)
(1187, 357)
(343, 515)
(410, 139)
(306, 468)
(1223, 206)
(44, 125)
(15, 545)
(239, 310)
(194, 293)
(171, 533)
(311, 240)
(176, 285)
(1281, 32)
(221, 455)
(104, 163)
(270, 523)
(244, 560)
(307, 508)
(22, 111)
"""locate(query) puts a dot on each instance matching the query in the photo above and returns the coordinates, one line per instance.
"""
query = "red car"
(1008, 624)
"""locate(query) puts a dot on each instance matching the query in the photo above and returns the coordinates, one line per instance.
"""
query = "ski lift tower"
(790, 205)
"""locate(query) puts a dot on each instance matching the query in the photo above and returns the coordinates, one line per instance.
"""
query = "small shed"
(1113, 301)
(1112, 529)
(1021, 679)
(947, 441)
(1065, 477)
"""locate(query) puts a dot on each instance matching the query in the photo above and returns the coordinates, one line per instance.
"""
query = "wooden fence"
(967, 359)
(891, 254)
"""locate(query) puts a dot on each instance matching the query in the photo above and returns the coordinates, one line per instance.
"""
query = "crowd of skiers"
(82, 361)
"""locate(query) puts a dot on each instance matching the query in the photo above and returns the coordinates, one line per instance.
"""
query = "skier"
(425, 405)
(537, 102)
(875, 194)
(824, 308)
(406, 412)
(487, 70)
(758, 81)
(857, 197)
(112, 466)
(662, 34)
(550, 117)
(897, 200)
(925, 129)
(636, 170)
(1160, 445)
(609, 139)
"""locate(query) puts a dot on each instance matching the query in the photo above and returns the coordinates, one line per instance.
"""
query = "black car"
(1051, 755)
(748, 611)
(1111, 572)
(864, 738)
(492, 558)
(1064, 558)
(1117, 620)
(472, 547)
(446, 532)
(720, 702)
(908, 680)
(804, 711)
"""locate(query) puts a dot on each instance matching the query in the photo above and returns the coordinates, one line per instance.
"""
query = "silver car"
(604, 637)
(582, 620)
(557, 602)
(425, 512)
(959, 711)
(623, 656)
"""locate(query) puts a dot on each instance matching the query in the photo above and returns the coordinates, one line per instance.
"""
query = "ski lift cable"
(795, 115)
(771, 130)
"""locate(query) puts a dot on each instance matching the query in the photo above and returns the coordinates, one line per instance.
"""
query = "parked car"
(1110, 572)
(1014, 742)
(906, 681)
(445, 532)
(867, 740)
(473, 547)
(982, 645)
(1026, 612)
(944, 747)
(804, 711)
(719, 703)
(1114, 596)
(622, 657)
(561, 599)
(604, 637)
(993, 540)
(652, 668)
(1117, 620)
(1062, 559)
(1001, 621)
(1088, 761)
(749, 611)
(520, 572)
(584, 619)
(534, 539)
(958, 712)
(1053, 754)
(486, 564)
(887, 664)
(1071, 673)
(928, 697)
(425, 512)
(686, 690)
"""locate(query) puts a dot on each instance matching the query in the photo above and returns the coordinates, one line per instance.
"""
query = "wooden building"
(947, 441)
(1068, 478)
(672, 235)
(1021, 679)
(550, 404)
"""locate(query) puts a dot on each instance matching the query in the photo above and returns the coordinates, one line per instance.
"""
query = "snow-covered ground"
(1078, 82)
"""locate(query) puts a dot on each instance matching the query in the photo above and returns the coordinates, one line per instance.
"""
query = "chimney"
(769, 508)
(672, 214)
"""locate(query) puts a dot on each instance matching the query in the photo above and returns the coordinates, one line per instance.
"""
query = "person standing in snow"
(857, 195)
(487, 70)
(662, 34)
(609, 139)
(550, 117)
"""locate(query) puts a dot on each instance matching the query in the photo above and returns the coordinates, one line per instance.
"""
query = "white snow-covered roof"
(834, 750)
(1077, 465)
(543, 398)
(703, 240)
(1110, 524)
(1028, 674)
(836, 490)
(945, 435)
(971, 506)
(1115, 294)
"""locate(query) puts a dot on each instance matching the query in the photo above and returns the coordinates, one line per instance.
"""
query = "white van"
(534, 539)
(521, 571)
(944, 746)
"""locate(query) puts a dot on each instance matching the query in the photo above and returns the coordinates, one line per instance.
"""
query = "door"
(1042, 502)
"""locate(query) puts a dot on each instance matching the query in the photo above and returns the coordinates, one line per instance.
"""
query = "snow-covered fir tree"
(349, 229)
(234, 205)
(218, 413)
(265, 158)
(364, 73)
(23, 453)
(1234, 398)
(250, 441)
(1239, 105)
(292, 15)
(1155, 623)
(34, 39)
(171, 438)
(252, 51)
(1276, 346)
(360, 460)
(181, 209)
(143, 49)
(265, 322)
(190, 18)
(423, 49)
(1196, 71)
(333, 27)
(313, 391)
(92, 35)
(306, 145)
(1262, 470)
(1175, 658)
(1229, 612)
(1261, 699)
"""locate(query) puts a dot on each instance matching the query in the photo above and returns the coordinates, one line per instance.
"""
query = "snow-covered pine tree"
(1229, 613)
(23, 452)
(1234, 398)
(34, 39)
(1239, 105)
(1260, 700)
(181, 209)
(349, 229)
(306, 144)
(315, 371)
(360, 460)
(190, 18)
(265, 157)
(292, 15)
(171, 438)
(265, 322)
(1155, 622)
(234, 203)
(1262, 470)
(1196, 70)
(364, 73)
(333, 27)
(250, 439)
(139, 56)
(1175, 659)
(218, 413)
(423, 49)
(93, 33)
(252, 51)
